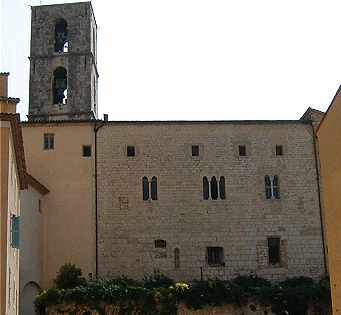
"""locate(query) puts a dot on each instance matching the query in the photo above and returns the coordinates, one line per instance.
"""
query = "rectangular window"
(15, 231)
(279, 150)
(215, 256)
(195, 150)
(160, 244)
(272, 187)
(130, 150)
(274, 250)
(48, 141)
(86, 150)
(242, 150)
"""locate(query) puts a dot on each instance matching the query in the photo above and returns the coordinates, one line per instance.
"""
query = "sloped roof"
(36, 184)
(14, 120)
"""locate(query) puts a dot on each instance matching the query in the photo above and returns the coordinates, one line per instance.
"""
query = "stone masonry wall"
(128, 225)
(79, 61)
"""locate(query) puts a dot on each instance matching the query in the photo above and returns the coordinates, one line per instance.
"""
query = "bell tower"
(63, 63)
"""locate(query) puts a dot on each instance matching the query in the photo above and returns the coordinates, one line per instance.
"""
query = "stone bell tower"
(63, 63)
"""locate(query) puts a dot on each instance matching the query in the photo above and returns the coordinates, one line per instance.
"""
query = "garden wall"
(250, 309)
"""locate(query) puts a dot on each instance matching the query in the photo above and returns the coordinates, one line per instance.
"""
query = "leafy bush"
(46, 298)
(68, 277)
(158, 280)
(158, 295)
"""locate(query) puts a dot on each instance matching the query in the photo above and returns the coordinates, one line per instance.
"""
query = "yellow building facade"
(61, 156)
(12, 180)
(329, 141)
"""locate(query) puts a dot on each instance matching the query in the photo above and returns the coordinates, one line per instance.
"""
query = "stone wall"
(250, 309)
(241, 224)
(79, 61)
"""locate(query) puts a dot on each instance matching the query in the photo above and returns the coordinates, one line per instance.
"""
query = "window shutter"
(15, 230)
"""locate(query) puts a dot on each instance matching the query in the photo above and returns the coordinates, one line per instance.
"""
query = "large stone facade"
(96, 215)
(241, 224)
(77, 57)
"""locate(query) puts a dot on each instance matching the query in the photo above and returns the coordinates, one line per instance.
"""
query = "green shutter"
(15, 227)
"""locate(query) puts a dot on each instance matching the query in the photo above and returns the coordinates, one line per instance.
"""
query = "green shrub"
(46, 298)
(157, 280)
(158, 295)
(68, 277)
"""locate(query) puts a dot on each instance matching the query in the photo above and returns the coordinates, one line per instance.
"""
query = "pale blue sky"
(196, 59)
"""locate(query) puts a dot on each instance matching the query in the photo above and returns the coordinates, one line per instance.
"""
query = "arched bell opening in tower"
(61, 43)
(60, 86)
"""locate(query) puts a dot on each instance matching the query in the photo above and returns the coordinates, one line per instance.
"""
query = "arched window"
(61, 43)
(268, 190)
(60, 86)
(222, 192)
(176, 258)
(206, 189)
(214, 188)
(28, 295)
(275, 187)
(154, 188)
(145, 188)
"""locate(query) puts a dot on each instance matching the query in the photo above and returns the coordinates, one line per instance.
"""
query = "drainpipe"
(319, 198)
(96, 128)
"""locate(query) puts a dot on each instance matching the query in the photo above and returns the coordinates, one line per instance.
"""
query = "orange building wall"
(329, 141)
(69, 215)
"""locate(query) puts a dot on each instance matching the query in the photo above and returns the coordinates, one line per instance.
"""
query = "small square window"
(279, 150)
(130, 150)
(48, 141)
(274, 250)
(242, 150)
(86, 150)
(195, 150)
(215, 256)
(160, 244)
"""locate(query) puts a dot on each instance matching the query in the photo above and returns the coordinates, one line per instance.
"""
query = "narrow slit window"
(242, 150)
(274, 250)
(195, 150)
(206, 192)
(154, 188)
(176, 258)
(145, 188)
(279, 150)
(214, 188)
(222, 191)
